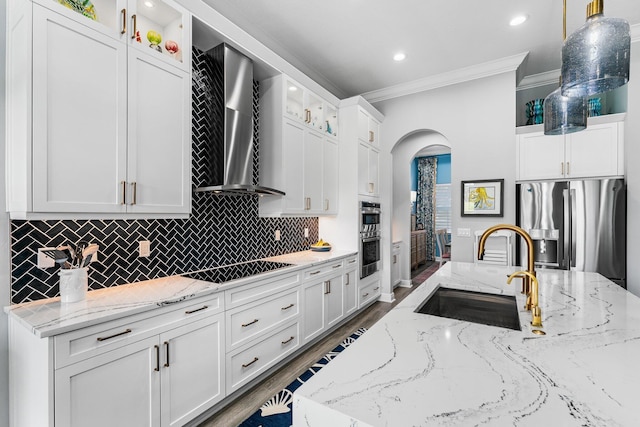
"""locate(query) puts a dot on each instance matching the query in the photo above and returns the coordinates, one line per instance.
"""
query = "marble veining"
(50, 317)
(412, 369)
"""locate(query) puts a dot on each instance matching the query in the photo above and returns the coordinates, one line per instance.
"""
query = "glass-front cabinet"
(306, 107)
(160, 28)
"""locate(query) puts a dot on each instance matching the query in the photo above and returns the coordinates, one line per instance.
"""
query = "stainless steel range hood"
(230, 156)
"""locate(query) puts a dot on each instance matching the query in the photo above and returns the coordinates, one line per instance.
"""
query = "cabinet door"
(159, 146)
(192, 366)
(374, 132)
(363, 126)
(293, 173)
(593, 152)
(350, 292)
(374, 172)
(395, 268)
(334, 294)
(330, 173)
(313, 149)
(363, 169)
(79, 116)
(540, 156)
(314, 313)
(118, 388)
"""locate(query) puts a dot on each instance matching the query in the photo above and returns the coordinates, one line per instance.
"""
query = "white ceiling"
(347, 45)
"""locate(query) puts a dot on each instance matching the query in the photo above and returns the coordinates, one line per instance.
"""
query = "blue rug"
(277, 411)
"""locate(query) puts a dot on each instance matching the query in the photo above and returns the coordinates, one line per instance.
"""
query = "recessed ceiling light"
(149, 3)
(400, 56)
(518, 20)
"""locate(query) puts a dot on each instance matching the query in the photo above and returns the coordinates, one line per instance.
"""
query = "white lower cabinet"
(323, 304)
(169, 367)
(120, 387)
(369, 292)
(163, 380)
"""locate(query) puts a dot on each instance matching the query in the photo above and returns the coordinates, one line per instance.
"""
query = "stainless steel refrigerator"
(575, 225)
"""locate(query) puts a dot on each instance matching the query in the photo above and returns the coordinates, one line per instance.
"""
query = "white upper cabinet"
(297, 153)
(98, 127)
(592, 153)
(368, 128)
(305, 107)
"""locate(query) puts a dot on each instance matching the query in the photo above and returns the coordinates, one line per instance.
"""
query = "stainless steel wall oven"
(369, 238)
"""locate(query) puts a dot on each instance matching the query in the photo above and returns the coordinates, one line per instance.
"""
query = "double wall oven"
(369, 238)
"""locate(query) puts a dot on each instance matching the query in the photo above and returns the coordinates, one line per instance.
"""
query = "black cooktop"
(228, 273)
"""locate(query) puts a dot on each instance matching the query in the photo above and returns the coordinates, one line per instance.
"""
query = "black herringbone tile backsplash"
(221, 230)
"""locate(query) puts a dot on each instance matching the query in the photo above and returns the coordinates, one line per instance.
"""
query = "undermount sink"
(471, 306)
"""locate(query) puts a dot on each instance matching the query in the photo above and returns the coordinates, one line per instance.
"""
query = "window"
(443, 207)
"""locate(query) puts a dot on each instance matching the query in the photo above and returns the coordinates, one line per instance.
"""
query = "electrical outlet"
(277, 235)
(144, 248)
(43, 260)
(306, 232)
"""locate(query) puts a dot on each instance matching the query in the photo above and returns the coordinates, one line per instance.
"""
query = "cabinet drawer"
(94, 340)
(369, 293)
(249, 321)
(243, 365)
(350, 262)
(260, 289)
(320, 270)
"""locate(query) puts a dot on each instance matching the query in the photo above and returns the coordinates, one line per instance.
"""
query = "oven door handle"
(370, 239)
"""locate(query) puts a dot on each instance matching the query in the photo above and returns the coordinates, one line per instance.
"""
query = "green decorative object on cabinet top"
(85, 7)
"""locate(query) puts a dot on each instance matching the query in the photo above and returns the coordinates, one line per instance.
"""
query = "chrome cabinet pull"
(204, 307)
(246, 365)
(244, 325)
(124, 21)
(287, 341)
(287, 307)
(166, 364)
(348, 282)
(134, 193)
(337, 266)
(114, 335)
(562, 168)
(352, 261)
(157, 347)
(327, 284)
(568, 173)
(123, 191)
(134, 18)
(365, 295)
(313, 273)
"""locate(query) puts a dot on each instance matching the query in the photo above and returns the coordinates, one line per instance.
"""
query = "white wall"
(477, 120)
(632, 156)
(5, 254)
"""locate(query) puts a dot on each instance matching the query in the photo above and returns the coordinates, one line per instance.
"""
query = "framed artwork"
(482, 197)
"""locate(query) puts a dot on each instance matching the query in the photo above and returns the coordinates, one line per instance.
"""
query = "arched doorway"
(404, 151)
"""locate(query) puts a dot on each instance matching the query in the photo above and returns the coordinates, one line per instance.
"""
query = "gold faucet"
(536, 313)
(526, 278)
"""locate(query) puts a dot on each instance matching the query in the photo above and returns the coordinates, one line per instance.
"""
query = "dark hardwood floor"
(241, 408)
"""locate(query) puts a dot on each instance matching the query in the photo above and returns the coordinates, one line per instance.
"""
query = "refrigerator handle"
(572, 198)
(566, 227)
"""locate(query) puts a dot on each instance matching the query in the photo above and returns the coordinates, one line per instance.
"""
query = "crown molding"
(543, 79)
(486, 69)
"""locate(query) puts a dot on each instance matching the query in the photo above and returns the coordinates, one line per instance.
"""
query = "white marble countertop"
(412, 369)
(50, 317)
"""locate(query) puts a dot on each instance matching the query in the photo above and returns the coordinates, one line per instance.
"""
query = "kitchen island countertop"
(412, 369)
(48, 317)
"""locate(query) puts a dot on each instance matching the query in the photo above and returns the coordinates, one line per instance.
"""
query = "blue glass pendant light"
(564, 114)
(595, 58)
